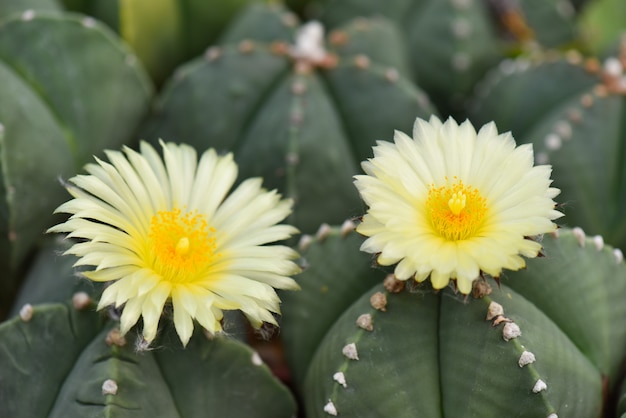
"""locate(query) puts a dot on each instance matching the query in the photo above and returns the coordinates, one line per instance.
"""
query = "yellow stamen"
(456, 211)
(181, 245)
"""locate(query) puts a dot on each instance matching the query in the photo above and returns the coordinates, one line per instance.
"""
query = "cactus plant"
(420, 352)
(64, 102)
(569, 108)
(300, 120)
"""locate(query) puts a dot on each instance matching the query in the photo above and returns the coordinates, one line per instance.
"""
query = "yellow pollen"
(182, 245)
(456, 211)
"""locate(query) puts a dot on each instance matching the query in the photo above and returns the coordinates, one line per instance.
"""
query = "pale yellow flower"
(166, 229)
(451, 203)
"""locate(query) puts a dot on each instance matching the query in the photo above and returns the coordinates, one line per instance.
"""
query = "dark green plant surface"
(435, 354)
(65, 98)
(302, 126)
(74, 364)
(568, 108)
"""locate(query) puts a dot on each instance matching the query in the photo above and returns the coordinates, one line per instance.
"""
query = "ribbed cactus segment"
(602, 23)
(450, 43)
(8, 7)
(335, 274)
(571, 112)
(299, 116)
(580, 285)
(76, 367)
(262, 22)
(59, 105)
(551, 23)
(435, 355)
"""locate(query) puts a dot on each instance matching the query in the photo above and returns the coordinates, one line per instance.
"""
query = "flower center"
(181, 245)
(456, 211)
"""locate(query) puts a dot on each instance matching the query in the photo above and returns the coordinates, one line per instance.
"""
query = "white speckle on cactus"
(212, 53)
(461, 61)
(563, 129)
(130, 60)
(1, 129)
(613, 67)
(365, 321)
(330, 409)
(565, 9)
(292, 159)
(622, 83)
(522, 65)
(553, 415)
(347, 227)
(362, 61)
(115, 337)
(323, 232)
(619, 256)
(461, 28)
(495, 309)
(507, 67)
(461, 4)
(575, 116)
(598, 241)
(28, 15)
(350, 351)
(586, 100)
(310, 42)
(289, 19)
(553, 142)
(379, 301)
(88, 22)
(305, 241)
(109, 387)
(393, 285)
(539, 386)
(340, 378)
(511, 330)
(256, 359)
(422, 99)
(81, 300)
(391, 74)
(580, 236)
(298, 88)
(26, 312)
(541, 158)
(526, 358)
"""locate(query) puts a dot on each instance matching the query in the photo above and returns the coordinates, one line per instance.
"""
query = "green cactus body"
(9, 7)
(302, 124)
(59, 105)
(76, 364)
(553, 350)
(572, 112)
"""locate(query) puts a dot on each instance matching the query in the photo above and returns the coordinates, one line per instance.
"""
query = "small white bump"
(507, 67)
(109, 387)
(350, 351)
(565, 9)
(309, 42)
(212, 53)
(26, 312)
(130, 60)
(379, 301)
(81, 300)
(28, 15)
(622, 83)
(292, 159)
(347, 227)
(613, 67)
(563, 129)
(340, 378)
(526, 358)
(365, 321)
(392, 75)
(305, 241)
(511, 330)
(619, 256)
(461, 4)
(256, 359)
(1, 129)
(323, 232)
(298, 88)
(539, 386)
(580, 236)
(495, 309)
(522, 65)
(541, 158)
(330, 409)
(598, 241)
(553, 415)
(88, 22)
(553, 142)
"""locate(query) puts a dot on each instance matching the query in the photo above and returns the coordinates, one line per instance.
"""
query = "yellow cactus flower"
(166, 229)
(451, 203)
